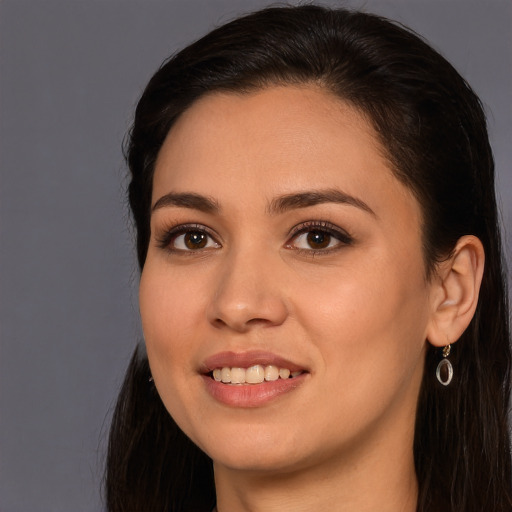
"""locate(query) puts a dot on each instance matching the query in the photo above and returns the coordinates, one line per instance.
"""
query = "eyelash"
(170, 235)
(323, 227)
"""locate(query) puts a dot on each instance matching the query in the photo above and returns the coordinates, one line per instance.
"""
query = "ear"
(455, 292)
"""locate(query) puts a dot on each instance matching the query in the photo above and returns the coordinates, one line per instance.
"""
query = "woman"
(322, 297)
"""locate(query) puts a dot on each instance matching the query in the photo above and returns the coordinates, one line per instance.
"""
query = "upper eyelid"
(186, 226)
(168, 233)
(164, 236)
(327, 226)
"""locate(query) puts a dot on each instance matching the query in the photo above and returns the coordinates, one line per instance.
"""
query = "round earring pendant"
(444, 372)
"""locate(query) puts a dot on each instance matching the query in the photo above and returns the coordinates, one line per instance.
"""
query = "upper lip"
(247, 359)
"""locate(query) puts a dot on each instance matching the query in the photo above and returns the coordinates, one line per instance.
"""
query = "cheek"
(371, 318)
(170, 309)
(369, 330)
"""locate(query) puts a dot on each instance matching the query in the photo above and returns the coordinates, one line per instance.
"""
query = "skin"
(356, 314)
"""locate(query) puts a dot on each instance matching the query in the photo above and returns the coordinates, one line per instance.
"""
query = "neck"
(382, 478)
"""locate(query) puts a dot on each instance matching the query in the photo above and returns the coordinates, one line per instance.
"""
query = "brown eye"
(195, 240)
(189, 240)
(318, 239)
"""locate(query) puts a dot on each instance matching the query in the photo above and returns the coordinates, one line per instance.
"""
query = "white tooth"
(284, 373)
(295, 374)
(217, 374)
(271, 373)
(255, 374)
(225, 374)
(237, 375)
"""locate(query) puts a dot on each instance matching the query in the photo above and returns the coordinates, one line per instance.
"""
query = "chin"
(256, 448)
(262, 462)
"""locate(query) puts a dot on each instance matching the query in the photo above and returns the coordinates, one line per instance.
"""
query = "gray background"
(70, 74)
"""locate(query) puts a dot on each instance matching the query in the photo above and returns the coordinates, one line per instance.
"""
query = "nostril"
(218, 322)
(246, 309)
(242, 325)
(258, 321)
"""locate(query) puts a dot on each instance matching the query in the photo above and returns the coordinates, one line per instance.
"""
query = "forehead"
(282, 114)
(272, 141)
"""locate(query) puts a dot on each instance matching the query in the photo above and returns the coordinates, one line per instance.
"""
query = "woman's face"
(281, 242)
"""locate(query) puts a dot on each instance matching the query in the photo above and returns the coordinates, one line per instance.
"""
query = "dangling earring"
(444, 370)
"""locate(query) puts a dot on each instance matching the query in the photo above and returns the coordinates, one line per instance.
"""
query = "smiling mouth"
(252, 375)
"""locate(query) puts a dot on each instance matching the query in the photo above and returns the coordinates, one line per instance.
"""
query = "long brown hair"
(433, 128)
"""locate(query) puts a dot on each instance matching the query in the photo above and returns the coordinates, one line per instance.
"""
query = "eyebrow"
(187, 200)
(276, 206)
(312, 198)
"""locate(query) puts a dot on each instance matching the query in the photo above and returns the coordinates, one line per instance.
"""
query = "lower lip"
(251, 395)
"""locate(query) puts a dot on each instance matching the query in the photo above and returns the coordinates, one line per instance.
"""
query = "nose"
(248, 294)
